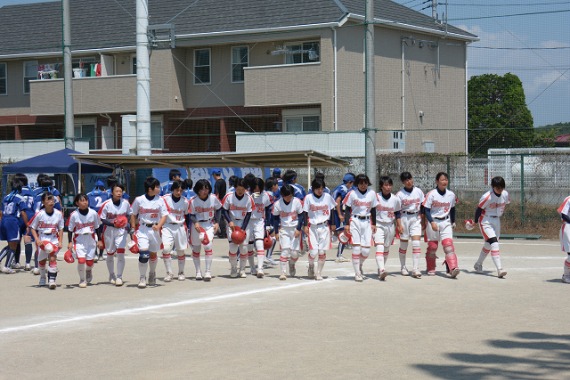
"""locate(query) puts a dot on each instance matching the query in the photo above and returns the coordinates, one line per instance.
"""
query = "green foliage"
(559, 128)
(498, 115)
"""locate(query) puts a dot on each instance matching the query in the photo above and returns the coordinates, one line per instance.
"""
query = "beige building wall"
(440, 95)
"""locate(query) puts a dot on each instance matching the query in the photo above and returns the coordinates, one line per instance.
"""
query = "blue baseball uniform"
(12, 206)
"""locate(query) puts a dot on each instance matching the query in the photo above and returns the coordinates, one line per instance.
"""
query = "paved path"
(477, 326)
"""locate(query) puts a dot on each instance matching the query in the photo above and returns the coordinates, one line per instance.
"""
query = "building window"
(156, 134)
(303, 123)
(202, 66)
(3, 79)
(240, 59)
(30, 73)
(86, 131)
(399, 140)
(302, 52)
(84, 67)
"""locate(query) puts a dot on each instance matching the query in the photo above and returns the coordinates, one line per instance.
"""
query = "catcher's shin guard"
(451, 264)
(431, 258)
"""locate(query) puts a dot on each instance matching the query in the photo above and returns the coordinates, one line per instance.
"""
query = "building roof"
(36, 29)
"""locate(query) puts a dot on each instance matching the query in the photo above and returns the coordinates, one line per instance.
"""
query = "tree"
(498, 116)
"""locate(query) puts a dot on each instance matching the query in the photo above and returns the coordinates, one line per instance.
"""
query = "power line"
(471, 4)
(510, 15)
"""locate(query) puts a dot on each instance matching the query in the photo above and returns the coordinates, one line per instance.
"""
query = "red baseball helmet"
(238, 235)
(345, 237)
(49, 247)
(469, 224)
(267, 242)
(133, 245)
(68, 257)
(204, 239)
(120, 221)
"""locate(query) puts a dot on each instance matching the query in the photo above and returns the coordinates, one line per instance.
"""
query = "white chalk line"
(137, 310)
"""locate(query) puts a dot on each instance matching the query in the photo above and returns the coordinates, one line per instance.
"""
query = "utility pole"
(143, 80)
(67, 77)
(369, 125)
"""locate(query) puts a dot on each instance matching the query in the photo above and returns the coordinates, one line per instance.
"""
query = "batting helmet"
(469, 224)
(204, 239)
(133, 245)
(48, 247)
(345, 237)
(120, 221)
(238, 235)
(267, 242)
(68, 257)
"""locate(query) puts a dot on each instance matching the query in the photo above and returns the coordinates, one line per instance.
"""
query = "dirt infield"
(477, 326)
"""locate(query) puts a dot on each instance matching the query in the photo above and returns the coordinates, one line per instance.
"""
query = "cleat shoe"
(16, 266)
(566, 279)
(318, 277)
(270, 261)
(207, 277)
(358, 277)
(311, 272)
(430, 272)
(233, 272)
(343, 259)
(152, 278)
(52, 284)
(168, 277)
(405, 271)
(28, 268)
(292, 270)
(478, 268)
(119, 281)
(260, 274)
(181, 276)
(82, 284)
(283, 277)
(454, 273)
(113, 279)
(8, 270)
(501, 273)
(42, 281)
(382, 275)
(36, 271)
(242, 274)
(89, 276)
(142, 282)
(416, 273)
(199, 276)
(95, 259)
(254, 271)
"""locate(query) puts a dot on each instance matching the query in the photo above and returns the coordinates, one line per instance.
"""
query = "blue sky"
(534, 46)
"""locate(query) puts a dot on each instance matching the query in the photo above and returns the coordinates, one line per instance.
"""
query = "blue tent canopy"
(58, 162)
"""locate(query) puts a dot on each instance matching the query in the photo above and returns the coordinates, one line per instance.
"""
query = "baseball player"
(173, 175)
(287, 222)
(174, 232)
(47, 227)
(257, 226)
(83, 223)
(338, 195)
(187, 191)
(204, 215)
(488, 214)
(564, 211)
(236, 209)
(14, 207)
(111, 181)
(387, 221)
(318, 221)
(272, 188)
(96, 198)
(411, 198)
(439, 208)
(151, 212)
(114, 234)
(360, 209)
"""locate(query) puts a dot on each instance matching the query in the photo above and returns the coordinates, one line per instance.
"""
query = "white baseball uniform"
(493, 207)
(114, 238)
(174, 233)
(385, 220)
(440, 205)
(84, 233)
(47, 227)
(149, 213)
(318, 211)
(411, 219)
(204, 211)
(289, 217)
(360, 225)
(564, 208)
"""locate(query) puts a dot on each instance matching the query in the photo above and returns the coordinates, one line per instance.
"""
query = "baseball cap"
(348, 178)
(217, 171)
(99, 183)
(276, 171)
